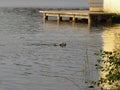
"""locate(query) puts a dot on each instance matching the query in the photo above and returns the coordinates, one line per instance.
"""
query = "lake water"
(30, 61)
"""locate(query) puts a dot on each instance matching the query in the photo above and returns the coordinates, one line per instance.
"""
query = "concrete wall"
(112, 6)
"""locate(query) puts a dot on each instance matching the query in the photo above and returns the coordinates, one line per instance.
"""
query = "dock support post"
(59, 18)
(109, 19)
(45, 17)
(73, 18)
(89, 21)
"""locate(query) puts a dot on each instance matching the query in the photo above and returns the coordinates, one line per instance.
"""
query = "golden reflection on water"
(111, 38)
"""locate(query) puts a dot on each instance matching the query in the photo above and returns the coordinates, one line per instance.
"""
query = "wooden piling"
(59, 18)
(89, 21)
(73, 18)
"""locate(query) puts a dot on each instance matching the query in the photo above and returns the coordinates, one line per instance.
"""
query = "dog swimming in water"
(62, 44)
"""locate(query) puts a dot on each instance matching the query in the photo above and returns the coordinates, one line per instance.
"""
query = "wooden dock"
(92, 17)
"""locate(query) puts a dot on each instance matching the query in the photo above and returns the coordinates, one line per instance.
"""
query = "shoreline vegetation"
(108, 65)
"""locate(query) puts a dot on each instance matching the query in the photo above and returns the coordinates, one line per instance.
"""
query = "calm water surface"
(30, 61)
